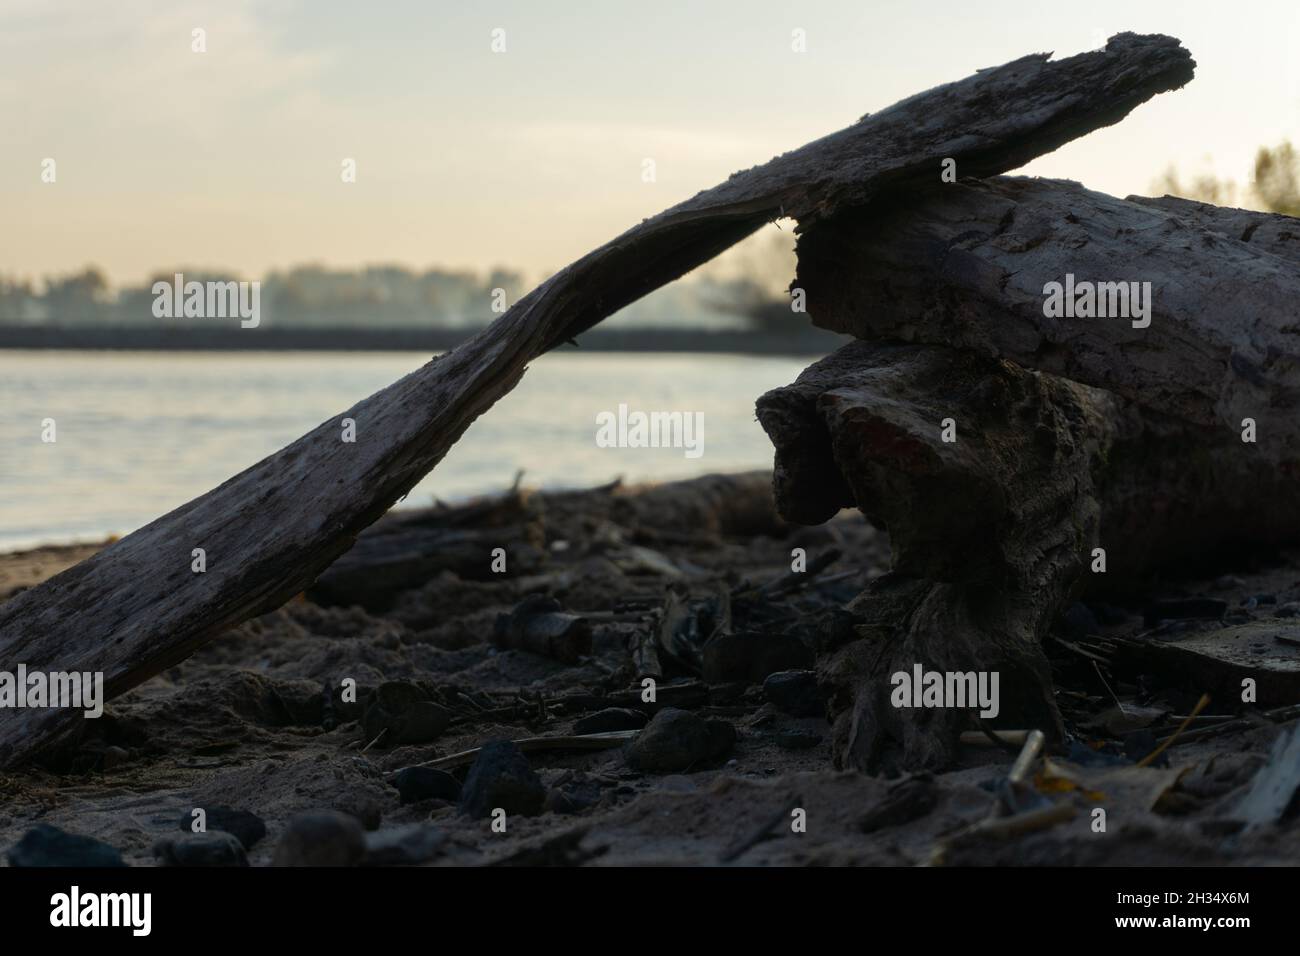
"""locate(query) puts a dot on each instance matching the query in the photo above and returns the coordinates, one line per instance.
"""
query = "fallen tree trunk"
(970, 266)
(996, 484)
(139, 607)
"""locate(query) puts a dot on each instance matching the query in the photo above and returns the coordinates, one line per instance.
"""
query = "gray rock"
(404, 846)
(677, 740)
(321, 838)
(425, 783)
(796, 693)
(213, 848)
(502, 777)
(797, 740)
(247, 827)
(47, 845)
(403, 714)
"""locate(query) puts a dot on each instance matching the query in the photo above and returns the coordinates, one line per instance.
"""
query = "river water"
(139, 433)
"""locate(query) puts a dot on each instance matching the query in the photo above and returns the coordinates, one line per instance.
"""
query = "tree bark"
(968, 267)
(137, 607)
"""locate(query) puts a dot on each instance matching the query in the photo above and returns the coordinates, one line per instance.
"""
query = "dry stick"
(1200, 706)
(1033, 747)
(1277, 715)
(136, 608)
(762, 832)
(601, 741)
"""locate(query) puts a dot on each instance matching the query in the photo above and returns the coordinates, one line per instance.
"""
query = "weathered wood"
(989, 533)
(994, 531)
(137, 608)
(403, 551)
(968, 267)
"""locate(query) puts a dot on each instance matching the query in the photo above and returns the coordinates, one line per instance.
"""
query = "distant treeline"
(376, 297)
(800, 339)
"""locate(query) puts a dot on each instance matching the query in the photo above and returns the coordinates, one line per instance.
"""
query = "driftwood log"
(968, 267)
(137, 607)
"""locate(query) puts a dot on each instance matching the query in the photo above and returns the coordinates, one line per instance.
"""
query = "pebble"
(246, 827)
(425, 783)
(321, 838)
(502, 777)
(403, 714)
(214, 848)
(1290, 609)
(796, 693)
(573, 792)
(677, 740)
(797, 740)
(404, 846)
(610, 719)
(47, 845)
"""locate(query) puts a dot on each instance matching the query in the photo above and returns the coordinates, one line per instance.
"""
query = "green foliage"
(1276, 186)
(1277, 179)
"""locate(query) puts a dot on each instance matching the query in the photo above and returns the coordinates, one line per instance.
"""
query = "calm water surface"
(141, 433)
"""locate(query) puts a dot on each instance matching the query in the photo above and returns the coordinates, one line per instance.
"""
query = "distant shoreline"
(804, 341)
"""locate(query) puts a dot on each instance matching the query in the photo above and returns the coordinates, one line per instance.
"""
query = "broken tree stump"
(989, 533)
(137, 608)
(994, 531)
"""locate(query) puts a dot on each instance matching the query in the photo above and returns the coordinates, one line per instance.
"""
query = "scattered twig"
(602, 741)
(762, 832)
(1200, 706)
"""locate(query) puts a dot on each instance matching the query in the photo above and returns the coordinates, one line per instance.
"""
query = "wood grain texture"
(968, 266)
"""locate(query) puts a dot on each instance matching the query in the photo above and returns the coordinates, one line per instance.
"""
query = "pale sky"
(529, 158)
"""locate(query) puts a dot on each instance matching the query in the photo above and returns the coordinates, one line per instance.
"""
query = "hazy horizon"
(469, 159)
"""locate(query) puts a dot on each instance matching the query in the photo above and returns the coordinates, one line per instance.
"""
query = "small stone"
(797, 740)
(677, 740)
(796, 693)
(47, 845)
(573, 792)
(608, 720)
(321, 838)
(425, 783)
(247, 827)
(502, 777)
(214, 848)
(399, 713)
(1290, 609)
(404, 846)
